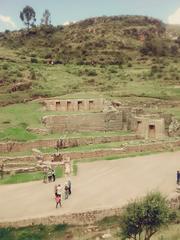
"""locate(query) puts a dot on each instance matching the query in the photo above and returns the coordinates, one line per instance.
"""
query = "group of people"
(49, 175)
(60, 190)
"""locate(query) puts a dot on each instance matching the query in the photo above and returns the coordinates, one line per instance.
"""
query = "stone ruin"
(101, 115)
(74, 105)
(88, 115)
(149, 126)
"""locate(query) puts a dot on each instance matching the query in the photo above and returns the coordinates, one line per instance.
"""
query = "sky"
(65, 11)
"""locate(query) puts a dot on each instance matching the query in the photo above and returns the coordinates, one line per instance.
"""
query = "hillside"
(102, 40)
(114, 56)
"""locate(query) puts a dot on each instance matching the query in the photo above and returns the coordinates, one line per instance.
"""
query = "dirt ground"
(102, 184)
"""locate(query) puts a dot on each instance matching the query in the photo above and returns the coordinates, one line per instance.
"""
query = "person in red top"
(58, 200)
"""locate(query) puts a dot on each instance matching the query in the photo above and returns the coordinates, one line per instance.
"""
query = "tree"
(28, 16)
(155, 47)
(143, 218)
(46, 19)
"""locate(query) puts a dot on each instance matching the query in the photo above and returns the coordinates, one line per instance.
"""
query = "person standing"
(59, 190)
(69, 186)
(45, 175)
(53, 175)
(58, 200)
(178, 177)
(66, 190)
(49, 175)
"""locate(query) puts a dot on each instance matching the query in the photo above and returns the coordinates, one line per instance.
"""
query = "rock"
(36, 151)
(108, 109)
(174, 127)
(106, 236)
(43, 131)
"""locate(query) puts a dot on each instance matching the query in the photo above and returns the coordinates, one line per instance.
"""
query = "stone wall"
(149, 127)
(78, 218)
(148, 147)
(85, 122)
(74, 105)
(81, 218)
(69, 142)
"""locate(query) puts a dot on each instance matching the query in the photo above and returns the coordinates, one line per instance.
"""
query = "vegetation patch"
(28, 177)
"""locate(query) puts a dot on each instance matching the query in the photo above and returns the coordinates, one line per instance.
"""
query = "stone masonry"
(149, 127)
(84, 122)
(74, 105)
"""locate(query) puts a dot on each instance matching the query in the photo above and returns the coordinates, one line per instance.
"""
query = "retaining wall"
(154, 147)
(81, 218)
(84, 122)
(70, 142)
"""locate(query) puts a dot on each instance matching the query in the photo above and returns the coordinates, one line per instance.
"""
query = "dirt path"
(102, 184)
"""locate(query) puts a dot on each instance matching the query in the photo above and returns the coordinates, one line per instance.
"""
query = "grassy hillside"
(110, 56)
(103, 40)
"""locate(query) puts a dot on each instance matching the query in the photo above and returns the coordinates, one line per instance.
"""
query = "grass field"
(28, 177)
(15, 119)
(63, 231)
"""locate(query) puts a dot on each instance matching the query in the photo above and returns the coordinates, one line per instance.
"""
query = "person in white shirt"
(59, 190)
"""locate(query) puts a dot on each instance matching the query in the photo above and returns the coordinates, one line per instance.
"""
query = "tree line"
(28, 17)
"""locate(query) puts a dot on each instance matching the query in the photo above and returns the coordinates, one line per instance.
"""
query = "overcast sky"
(64, 11)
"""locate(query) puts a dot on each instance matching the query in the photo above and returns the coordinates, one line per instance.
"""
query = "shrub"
(34, 60)
(5, 66)
(90, 72)
(143, 218)
(48, 55)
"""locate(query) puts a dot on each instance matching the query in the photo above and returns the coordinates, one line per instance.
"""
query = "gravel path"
(102, 184)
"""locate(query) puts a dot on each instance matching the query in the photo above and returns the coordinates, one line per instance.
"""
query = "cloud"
(8, 21)
(175, 17)
(68, 23)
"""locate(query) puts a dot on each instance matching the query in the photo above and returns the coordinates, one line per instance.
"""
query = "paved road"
(101, 184)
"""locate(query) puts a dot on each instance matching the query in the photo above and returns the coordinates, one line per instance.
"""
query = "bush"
(144, 217)
(48, 55)
(33, 55)
(5, 66)
(34, 60)
(129, 65)
(90, 72)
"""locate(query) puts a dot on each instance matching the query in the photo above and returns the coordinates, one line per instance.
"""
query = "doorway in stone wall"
(152, 131)
(80, 105)
(138, 127)
(58, 106)
(91, 105)
(69, 106)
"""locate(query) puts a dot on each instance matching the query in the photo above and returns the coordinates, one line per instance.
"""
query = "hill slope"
(108, 40)
(145, 59)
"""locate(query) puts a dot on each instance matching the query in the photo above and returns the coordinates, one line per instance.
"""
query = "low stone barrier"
(81, 218)
(148, 147)
(69, 142)
(154, 147)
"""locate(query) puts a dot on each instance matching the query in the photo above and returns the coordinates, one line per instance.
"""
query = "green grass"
(28, 177)
(62, 231)
(17, 134)
(16, 118)
(93, 147)
(39, 232)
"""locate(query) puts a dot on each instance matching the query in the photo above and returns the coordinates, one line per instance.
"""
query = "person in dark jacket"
(178, 177)
(53, 175)
(69, 186)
